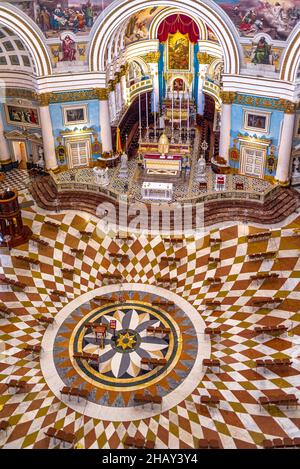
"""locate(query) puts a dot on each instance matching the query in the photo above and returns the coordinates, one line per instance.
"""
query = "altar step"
(275, 210)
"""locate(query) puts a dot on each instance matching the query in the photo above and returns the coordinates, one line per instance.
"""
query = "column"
(202, 75)
(285, 146)
(104, 118)
(112, 98)
(227, 99)
(48, 138)
(5, 157)
(124, 89)
(152, 59)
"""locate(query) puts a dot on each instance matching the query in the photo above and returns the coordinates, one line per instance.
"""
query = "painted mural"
(274, 17)
(53, 17)
(139, 24)
(262, 53)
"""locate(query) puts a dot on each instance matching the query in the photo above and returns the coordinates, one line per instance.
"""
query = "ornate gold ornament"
(204, 58)
(152, 57)
(227, 97)
(86, 95)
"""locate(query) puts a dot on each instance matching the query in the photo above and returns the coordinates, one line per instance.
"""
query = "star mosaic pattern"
(238, 422)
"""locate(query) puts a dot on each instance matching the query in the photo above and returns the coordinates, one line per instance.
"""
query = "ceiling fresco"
(276, 18)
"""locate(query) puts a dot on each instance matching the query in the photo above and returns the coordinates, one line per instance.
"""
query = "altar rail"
(258, 197)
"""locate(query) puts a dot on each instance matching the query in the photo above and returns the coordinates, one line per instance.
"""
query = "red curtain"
(181, 23)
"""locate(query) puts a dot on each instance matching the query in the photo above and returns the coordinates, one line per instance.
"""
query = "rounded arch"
(26, 29)
(142, 64)
(207, 11)
(291, 57)
(157, 20)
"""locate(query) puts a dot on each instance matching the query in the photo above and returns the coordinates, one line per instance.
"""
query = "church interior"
(149, 224)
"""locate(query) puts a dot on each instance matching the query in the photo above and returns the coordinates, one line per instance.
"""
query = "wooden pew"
(259, 236)
(28, 260)
(140, 443)
(212, 331)
(45, 320)
(264, 275)
(210, 400)
(4, 424)
(278, 400)
(211, 363)
(38, 240)
(70, 391)
(273, 330)
(153, 361)
(20, 385)
(262, 255)
(204, 443)
(274, 364)
(51, 224)
(61, 435)
(158, 330)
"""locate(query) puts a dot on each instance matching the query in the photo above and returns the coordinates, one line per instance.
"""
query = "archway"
(27, 30)
(291, 58)
(208, 12)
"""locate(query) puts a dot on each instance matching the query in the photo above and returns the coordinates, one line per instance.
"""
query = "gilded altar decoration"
(178, 52)
(234, 153)
(96, 146)
(271, 160)
(60, 151)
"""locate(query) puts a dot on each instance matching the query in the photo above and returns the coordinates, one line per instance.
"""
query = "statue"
(123, 171)
(101, 176)
(201, 170)
(163, 144)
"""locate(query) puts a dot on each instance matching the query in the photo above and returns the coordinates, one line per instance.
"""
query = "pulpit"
(12, 231)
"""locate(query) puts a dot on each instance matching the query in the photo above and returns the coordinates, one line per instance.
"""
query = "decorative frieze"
(70, 96)
(271, 103)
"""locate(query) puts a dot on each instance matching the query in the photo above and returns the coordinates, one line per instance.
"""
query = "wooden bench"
(13, 283)
(212, 331)
(45, 320)
(166, 280)
(215, 240)
(147, 399)
(61, 435)
(259, 236)
(281, 443)
(280, 399)
(158, 330)
(210, 400)
(212, 303)
(276, 363)
(214, 260)
(5, 310)
(172, 259)
(153, 361)
(68, 271)
(112, 277)
(203, 443)
(119, 257)
(52, 224)
(39, 241)
(85, 233)
(20, 385)
(262, 255)
(58, 293)
(214, 280)
(264, 275)
(77, 251)
(273, 330)
(28, 260)
(211, 363)
(140, 443)
(70, 391)
(33, 348)
(173, 240)
(86, 356)
(4, 424)
(258, 302)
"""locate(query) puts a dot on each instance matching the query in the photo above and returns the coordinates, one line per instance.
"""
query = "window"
(78, 153)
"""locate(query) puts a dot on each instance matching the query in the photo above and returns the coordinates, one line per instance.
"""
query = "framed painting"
(22, 115)
(178, 52)
(256, 121)
(75, 115)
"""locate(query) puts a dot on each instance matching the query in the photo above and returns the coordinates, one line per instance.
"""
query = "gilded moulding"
(227, 97)
(271, 103)
(69, 96)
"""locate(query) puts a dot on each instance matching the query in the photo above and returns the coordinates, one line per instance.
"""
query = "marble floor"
(109, 414)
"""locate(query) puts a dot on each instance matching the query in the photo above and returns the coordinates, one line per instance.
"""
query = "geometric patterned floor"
(238, 422)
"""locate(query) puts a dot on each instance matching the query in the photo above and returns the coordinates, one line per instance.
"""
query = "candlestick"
(140, 119)
(172, 134)
(180, 124)
(188, 118)
(154, 105)
(147, 119)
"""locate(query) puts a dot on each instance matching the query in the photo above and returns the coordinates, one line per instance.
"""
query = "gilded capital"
(111, 86)
(152, 57)
(204, 58)
(288, 106)
(227, 97)
(44, 99)
(101, 94)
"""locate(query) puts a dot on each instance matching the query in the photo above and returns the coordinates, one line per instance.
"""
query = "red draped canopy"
(181, 23)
